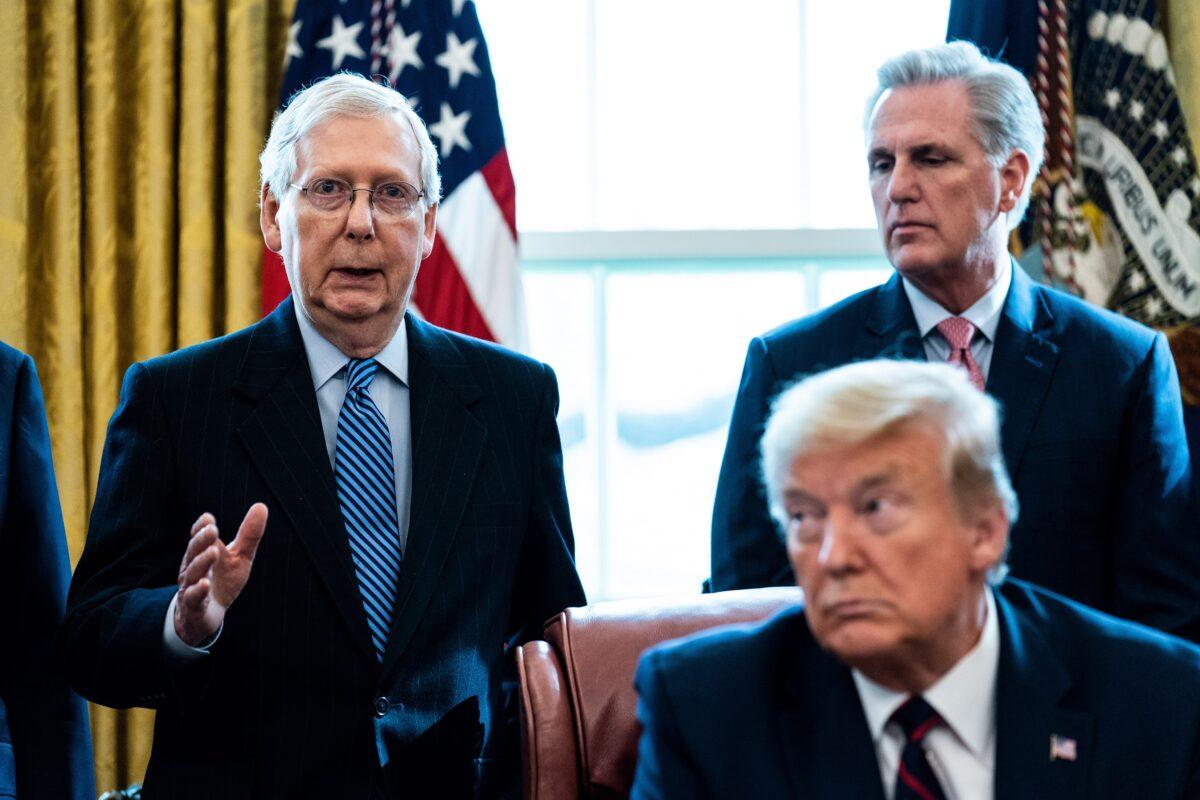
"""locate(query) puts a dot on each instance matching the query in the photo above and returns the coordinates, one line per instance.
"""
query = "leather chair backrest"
(579, 707)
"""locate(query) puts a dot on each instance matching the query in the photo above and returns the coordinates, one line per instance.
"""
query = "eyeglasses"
(396, 199)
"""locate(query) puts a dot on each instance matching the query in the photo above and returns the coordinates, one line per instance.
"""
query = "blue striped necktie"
(366, 484)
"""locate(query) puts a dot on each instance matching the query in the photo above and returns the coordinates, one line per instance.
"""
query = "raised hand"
(213, 574)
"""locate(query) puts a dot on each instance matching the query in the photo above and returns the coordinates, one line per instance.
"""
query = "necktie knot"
(360, 372)
(958, 332)
(916, 718)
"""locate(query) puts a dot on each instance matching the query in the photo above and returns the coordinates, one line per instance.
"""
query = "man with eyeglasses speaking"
(315, 540)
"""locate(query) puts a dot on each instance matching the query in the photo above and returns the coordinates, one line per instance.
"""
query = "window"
(689, 176)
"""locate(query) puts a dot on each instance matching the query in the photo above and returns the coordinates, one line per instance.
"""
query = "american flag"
(1062, 748)
(432, 52)
(1116, 215)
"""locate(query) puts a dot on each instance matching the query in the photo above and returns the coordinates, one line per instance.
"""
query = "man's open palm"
(213, 574)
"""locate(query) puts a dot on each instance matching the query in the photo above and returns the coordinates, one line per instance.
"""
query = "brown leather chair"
(579, 729)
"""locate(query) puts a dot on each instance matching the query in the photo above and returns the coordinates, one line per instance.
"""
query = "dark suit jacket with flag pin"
(1088, 706)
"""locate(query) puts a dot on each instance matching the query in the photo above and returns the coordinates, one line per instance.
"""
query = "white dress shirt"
(389, 390)
(962, 752)
(984, 314)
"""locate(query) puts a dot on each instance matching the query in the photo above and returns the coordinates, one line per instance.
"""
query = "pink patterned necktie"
(959, 332)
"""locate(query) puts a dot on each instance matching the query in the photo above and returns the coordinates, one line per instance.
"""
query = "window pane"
(838, 284)
(697, 114)
(562, 327)
(645, 408)
(668, 114)
(837, 185)
(539, 54)
(676, 344)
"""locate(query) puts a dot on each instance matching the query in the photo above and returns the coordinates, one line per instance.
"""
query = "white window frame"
(602, 253)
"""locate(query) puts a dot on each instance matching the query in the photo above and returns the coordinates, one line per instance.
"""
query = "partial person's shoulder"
(217, 362)
(230, 347)
(449, 350)
(718, 655)
(1099, 325)
(852, 310)
(15, 371)
(12, 359)
(1105, 647)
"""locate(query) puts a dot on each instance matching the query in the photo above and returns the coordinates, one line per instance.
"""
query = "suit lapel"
(822, 727)
(1030, 686)
(1023, 359)
(1023, 362)
(447, 443)
(284, 440)
(891, 329)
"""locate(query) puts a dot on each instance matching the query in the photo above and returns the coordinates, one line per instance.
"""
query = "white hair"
(865, 400)
(1005, 114)
(345, 94)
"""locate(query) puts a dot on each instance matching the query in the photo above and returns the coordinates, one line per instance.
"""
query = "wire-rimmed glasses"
(395, 198)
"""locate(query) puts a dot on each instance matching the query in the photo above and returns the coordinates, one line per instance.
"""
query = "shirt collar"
(984, 314)
(325, 360)
(965, 696)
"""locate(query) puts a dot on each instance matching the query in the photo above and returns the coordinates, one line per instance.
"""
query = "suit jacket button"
(381, 706)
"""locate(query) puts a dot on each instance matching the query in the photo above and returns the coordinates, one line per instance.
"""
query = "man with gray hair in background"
(1091, 420)
(357, 644)
(913, 668)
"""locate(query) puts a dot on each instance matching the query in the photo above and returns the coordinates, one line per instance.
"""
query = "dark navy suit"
(45, 744)
(1092, 434)
(764, 712)
(291, 701)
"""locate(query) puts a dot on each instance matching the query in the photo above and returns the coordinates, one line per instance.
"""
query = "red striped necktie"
(915, 779)
(959, 332)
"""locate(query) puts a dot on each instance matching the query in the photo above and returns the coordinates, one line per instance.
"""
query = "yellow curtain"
(1183, 35)
(128, 219)
(128, 222)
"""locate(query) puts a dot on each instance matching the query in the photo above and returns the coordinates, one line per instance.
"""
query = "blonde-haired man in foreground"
(914, 669)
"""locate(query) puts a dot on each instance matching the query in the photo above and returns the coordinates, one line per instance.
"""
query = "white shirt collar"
(325, 360)
(965, 696)
(984, 314)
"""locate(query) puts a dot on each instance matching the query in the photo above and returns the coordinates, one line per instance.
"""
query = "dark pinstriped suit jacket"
(291, 700)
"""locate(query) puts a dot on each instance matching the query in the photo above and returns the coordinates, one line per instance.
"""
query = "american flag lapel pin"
(1062, 748)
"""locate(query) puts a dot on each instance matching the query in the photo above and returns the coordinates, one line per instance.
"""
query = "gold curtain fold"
(1181, 23)
(128, 223)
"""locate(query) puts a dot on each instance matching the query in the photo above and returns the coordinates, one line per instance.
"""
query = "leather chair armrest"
(549, 756)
